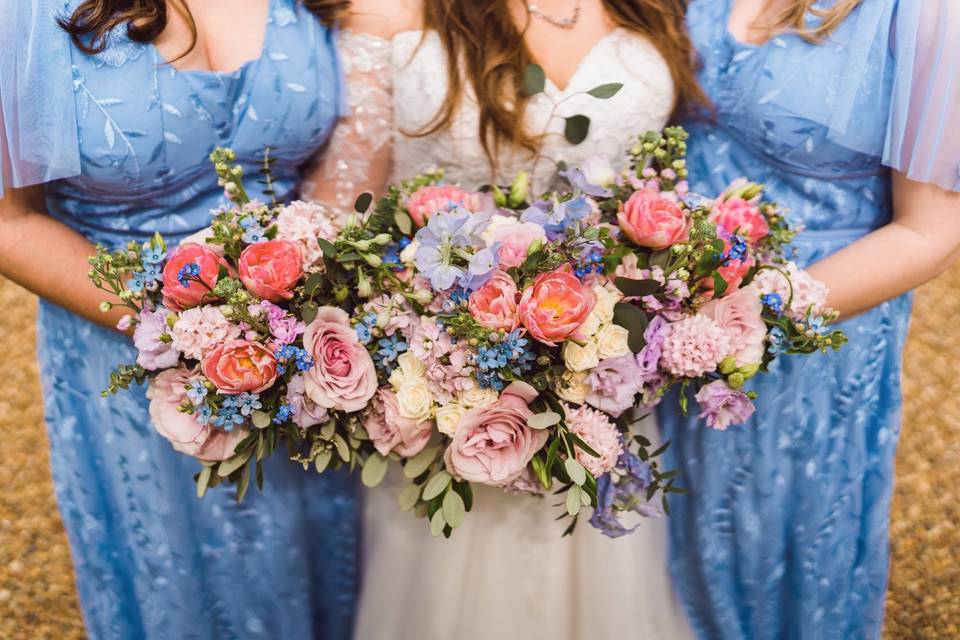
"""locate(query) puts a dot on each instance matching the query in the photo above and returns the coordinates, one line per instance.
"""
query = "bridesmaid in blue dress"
(119, 138)
(854, 126)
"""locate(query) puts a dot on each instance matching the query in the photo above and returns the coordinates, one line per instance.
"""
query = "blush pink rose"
(651, 220)
(426, 201)
(343, 376)
(515, 239)
(742, 217)
(555, 306)
(167, 391)
(390, 431)
(493, 444)
(239, 365)
(740, 316)
(271, 269)
(494, 305)
(178, 297)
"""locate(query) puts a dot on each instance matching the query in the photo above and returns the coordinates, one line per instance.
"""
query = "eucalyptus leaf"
(260, 419)
(309, 311)
(453, 509)
(576, 471)
(244, 483)
(534, 80)
(343, 449)
(606, 91)
(463, 488)
(409, 496)
(576, 129)
(543, 420)
(637, 288)
(635, 321)
(373, 471)
(327, 247)
(420, 462)
(573, 500)
(327, 430)
(229, 466)
(203, 480)
(719, 285)
(363, 202)
(436, 485)
(313, 283)
(403, 221)
(437, 523)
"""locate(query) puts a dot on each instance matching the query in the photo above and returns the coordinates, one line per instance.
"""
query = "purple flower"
(623, 491)
(648, 360)
(154, 353)
(615, 382)
(446, 244)
(723, 406)
(283, 326)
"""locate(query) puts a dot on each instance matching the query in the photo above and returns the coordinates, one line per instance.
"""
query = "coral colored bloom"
(494, 305)
(555, 306)
(741, 217)
(651, 220)
(178, 295)
(427, 201)
(271, 269)
(240, 365)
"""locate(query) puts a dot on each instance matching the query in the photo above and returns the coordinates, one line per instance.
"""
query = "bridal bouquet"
(473, 337)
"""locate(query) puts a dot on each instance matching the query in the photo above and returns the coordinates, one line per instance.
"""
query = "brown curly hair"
(92, 21)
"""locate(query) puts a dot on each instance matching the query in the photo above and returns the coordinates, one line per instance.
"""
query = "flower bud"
(105, 306)
(520, 189)
(736, 380)
(373, 260)
(728, 365)
(749, 371)
(364, 287)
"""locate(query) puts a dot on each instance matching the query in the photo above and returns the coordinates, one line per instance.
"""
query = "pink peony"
(493, 444)
(306, 413)
(654, 221)
(601, 435)
(515, 238)
(740, 316)
(152, 352)
(271, 269)
(808, 294)
(239, 365)
(343, 376)
(390, 431)
(302, 223)
(741, 217)
(199, 330)
(427, 201)
(494, 305)
(723, 406)
(693, 346)
(167, 391)
(178, 297)
(554, 307)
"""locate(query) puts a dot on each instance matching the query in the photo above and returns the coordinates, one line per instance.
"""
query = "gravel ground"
(37, 598)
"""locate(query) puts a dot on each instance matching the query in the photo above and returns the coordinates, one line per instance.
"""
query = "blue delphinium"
(511, 352)
(289, 354)
(389, 349)
(623, 491)
(737, 251)
(578, 180)
(447, 247)
(555, 216)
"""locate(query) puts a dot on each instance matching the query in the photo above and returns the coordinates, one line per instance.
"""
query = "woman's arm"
(47, 257)
(921, 242)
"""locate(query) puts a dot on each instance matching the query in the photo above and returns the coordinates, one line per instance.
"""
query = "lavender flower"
(446, 247)
(623, 491)
(722, 406)
(614, 383)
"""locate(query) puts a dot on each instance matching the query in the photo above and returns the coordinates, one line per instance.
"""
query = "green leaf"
(463, 488)
(244, 483)
(436, 485)
(364, 200)
(576, 472)
(573, 500)
(437, 523)
(576, 129)
(637, 288)
(583, 446)
(420, 462)
(453, 509)
(373, 470)
(229, 466)
(409, 496)
(635, 321)
(309, 311)
(540, 470)
(203, 480)
(534, 80)
(403, 221)
(343, 449)
(606, 91)
(327, 247)
(327, 430)
(661, 449)
(314, 282)
(552, 453)
(260, 419)
(719, 285)
(543, 420)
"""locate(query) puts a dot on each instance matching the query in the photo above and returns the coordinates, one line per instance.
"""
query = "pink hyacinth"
(200, 330)
(302, 223)
(694, 346)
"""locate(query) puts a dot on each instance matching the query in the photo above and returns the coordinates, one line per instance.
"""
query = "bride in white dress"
(507, 572)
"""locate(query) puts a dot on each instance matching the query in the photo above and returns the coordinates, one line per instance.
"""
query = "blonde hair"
(794, 18)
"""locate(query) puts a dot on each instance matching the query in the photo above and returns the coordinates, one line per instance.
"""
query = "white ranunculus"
(574, 386)
(591, 325)
(477, 397)
(448, 417)
(612, 341)
(579, 358)
(414, 400)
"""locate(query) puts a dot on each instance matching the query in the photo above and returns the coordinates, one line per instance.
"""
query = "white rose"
(574, 386)
(477, 397)
(397, 378)
(414, 400)
(612, 341)
(606, 300)
(448, 417)
(412, 366)
(406, 256)
(580, 358)
(591, 325)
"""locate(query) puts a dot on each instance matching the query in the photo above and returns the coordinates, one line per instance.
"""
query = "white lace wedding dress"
(507, 572)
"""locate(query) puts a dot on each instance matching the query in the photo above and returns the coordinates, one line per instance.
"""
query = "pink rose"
(515, 239)
(271, 269)
(651, 220)
(741, 217)
(239, 365)
(178, 297)
(493, 444)
(494, 305)
(740, 316)
(390, 431)
(343, 376)
(426, 201)
(554, 307)
(167, 391)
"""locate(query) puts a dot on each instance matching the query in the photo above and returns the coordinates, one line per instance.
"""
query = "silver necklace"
(563, 23)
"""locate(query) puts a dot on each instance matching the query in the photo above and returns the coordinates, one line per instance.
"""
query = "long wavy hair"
(485, 49)
(92, 21)
(796, 18)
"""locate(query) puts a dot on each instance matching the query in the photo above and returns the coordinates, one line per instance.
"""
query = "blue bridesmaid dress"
(151, 559)
(784, 533)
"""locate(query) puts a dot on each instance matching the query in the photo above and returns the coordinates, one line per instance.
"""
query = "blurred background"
(37, 598)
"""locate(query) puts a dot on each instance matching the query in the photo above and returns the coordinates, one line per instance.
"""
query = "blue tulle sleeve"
(923, 132)
(38, 119)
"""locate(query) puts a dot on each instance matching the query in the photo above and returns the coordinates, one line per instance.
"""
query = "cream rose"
(573, 386)
(414, 401)
(606, 301)
(448, 417)
(612, 341)
(591, 325)
(477, 397)
(412, 366)
(579, 358)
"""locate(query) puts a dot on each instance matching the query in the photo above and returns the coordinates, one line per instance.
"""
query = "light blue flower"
(196, 391)
(247, 403)
(447, 247)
